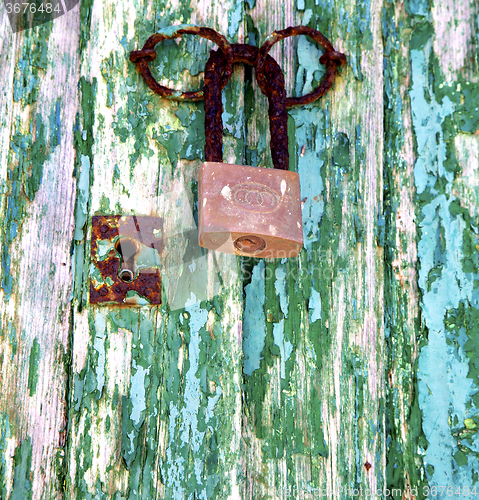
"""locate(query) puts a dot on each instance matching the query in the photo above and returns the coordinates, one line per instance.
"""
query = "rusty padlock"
(243, 210)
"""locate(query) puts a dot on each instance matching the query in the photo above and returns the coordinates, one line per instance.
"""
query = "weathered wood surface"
(350, 368)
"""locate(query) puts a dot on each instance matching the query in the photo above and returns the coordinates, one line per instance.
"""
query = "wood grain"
(348, 369)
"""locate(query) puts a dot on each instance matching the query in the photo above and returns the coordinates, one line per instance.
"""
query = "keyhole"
(128, 249)
(249, 244)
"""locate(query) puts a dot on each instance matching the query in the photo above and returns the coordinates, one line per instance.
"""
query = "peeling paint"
(33, 367)
(254, 331)
(83, 141)
(446, 277)
(22, 482)
(29, 151)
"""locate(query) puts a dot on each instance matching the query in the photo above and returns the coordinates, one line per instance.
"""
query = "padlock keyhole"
(249, 244)
(128, 249)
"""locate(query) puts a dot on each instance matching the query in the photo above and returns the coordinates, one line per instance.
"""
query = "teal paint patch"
(309, 130)
(137, 393)
(23, 479)
(254, 330)
(99, 347)
(428, 116)
(236, 14)
(447, 281)
(336, 22)
(314, 306)
(418, 7)
(309, 68)
(172, 31)
(33, 367)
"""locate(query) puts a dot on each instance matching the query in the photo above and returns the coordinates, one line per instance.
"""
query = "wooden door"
(348, 372)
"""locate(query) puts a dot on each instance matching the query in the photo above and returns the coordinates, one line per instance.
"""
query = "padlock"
(244, 210)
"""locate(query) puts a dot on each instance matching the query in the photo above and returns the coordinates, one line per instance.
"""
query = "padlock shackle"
(278, 115)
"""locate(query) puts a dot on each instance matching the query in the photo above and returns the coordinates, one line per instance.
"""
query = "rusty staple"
(148, 54)
(278, 116)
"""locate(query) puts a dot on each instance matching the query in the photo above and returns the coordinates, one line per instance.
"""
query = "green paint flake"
(33, 367)
(28, 153)
(83, 141)
(32, 63)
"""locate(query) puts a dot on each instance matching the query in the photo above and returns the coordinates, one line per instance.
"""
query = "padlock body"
(249, 211)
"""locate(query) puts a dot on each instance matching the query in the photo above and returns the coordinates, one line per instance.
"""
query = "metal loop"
(338, 57)
(148, 54)
(278, 116)
(331, 61)
(141, 58)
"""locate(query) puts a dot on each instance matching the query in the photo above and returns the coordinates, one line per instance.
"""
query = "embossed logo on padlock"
(259, 207)
(254, 197)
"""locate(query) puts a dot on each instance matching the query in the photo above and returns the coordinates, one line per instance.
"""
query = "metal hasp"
(125, 257)
(246, 210)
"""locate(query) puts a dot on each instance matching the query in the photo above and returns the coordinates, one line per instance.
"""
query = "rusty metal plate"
(249, 211)
(125, 278)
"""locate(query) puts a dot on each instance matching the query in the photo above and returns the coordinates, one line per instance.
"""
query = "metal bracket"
(125, 258)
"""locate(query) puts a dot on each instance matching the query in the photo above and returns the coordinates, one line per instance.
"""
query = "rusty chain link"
(218, 71)
(331, 59)
(147, 53)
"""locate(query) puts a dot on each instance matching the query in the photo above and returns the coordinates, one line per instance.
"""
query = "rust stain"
(148, 282)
